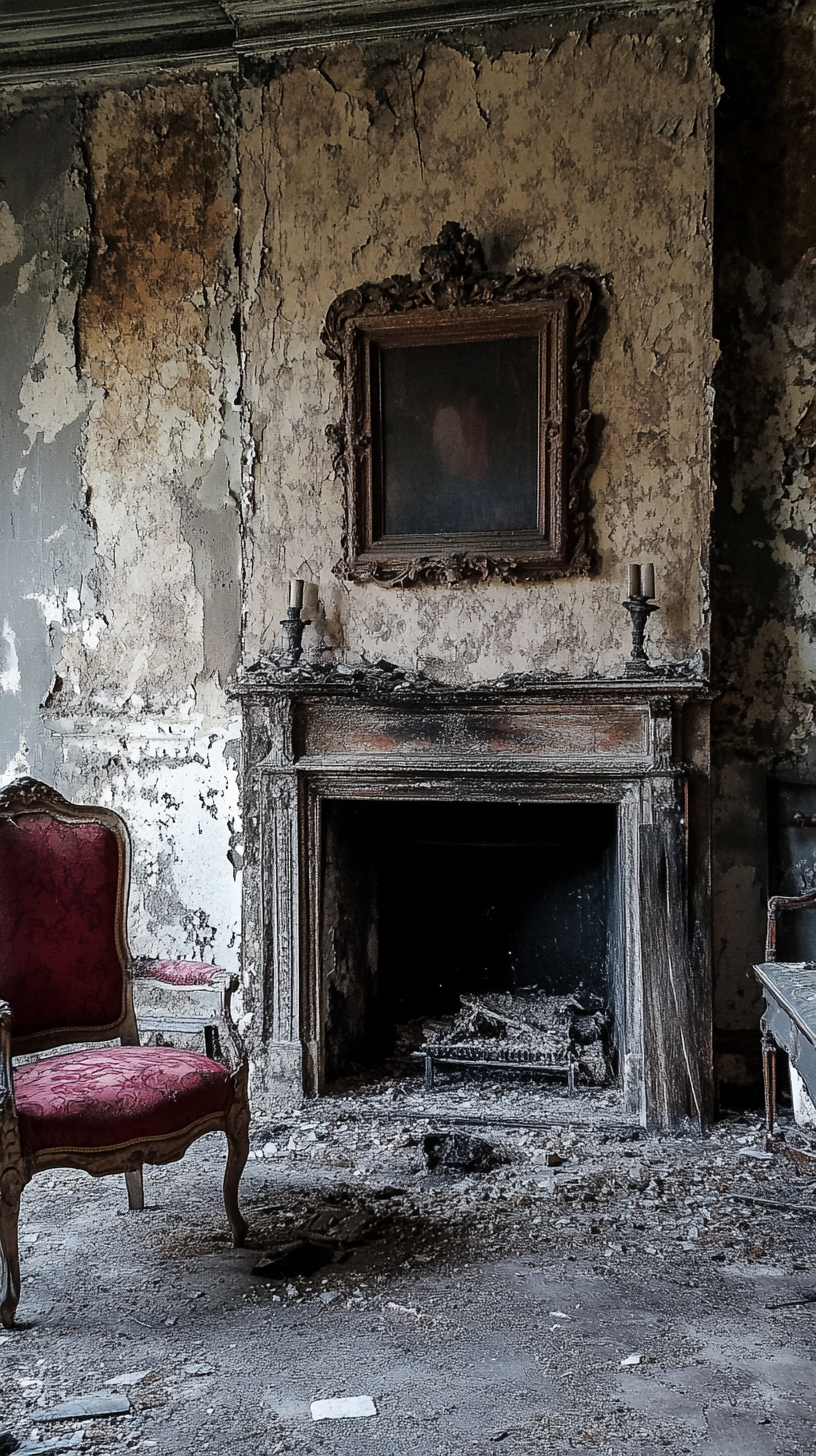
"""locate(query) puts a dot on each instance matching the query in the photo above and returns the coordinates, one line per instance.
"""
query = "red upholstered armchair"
(65, 978)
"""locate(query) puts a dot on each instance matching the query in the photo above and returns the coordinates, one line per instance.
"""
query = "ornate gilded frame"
(455, 299)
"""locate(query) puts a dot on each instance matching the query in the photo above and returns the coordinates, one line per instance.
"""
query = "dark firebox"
(427, 902)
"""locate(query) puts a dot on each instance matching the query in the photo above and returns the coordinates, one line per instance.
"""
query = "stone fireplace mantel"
(313, 735)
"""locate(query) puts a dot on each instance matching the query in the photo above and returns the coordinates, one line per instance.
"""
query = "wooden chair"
(65, 978)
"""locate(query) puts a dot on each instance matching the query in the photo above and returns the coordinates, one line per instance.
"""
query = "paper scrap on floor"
(343, 1408)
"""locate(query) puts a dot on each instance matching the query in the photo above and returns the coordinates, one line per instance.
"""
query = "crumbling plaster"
(46, 541)
(125, 380)
(764, 595)
(584, 147)
(168, 399)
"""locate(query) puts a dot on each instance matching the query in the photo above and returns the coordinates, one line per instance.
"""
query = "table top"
(792, 985)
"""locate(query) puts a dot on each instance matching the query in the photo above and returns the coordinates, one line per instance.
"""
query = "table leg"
(769, 1079)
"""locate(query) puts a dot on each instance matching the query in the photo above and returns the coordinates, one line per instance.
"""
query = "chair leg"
(10, 1192)
(135, 1189)
(237, 1131)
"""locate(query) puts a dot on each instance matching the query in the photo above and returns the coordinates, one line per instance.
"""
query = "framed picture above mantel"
(464, 438)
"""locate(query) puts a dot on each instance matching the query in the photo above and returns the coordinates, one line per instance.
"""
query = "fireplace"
(423, 901)
(537, 832)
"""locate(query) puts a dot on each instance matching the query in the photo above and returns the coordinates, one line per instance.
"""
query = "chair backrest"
(64, 873)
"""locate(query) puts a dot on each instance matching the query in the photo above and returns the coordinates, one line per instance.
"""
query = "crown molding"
(42, 41)
(266, 26)
(50, 42)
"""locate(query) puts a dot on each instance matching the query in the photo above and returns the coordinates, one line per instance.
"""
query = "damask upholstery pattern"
(183, 973)
(59, 965)
(116, 1095)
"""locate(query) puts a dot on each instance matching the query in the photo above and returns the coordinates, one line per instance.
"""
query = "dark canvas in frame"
(460, 437)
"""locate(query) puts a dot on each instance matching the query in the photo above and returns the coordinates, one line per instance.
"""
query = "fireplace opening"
(426, 902)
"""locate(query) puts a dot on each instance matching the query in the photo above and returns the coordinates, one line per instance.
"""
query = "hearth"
(423, 902)
(408, 842)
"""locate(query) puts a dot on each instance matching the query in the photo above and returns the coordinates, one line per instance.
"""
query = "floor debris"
(789, 1303)
(480, 1307)
(96, 1403)
(343, 1409)
(60, 1443)
(130, 1377)
(461, 1150)
(775, 1203)
(300, 1257)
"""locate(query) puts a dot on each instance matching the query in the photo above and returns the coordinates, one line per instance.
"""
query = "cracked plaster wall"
(556, 145)
(138, 338)
(764, 590)
(120, 455)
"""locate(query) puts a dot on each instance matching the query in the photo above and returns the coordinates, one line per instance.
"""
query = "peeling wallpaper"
(46, 543)
(582, 148)
(164, 272)
(156, 345)
(121, 453)
(764, 588)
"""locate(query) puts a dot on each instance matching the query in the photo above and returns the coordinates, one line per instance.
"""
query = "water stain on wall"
(155, 339)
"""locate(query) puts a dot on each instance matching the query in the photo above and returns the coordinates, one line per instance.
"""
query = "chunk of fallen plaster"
(462, 1150)
(130, 1377)
(758, 1153)
(60, 1443)
(631, 1360)
(95, 1403)
(343, 1408)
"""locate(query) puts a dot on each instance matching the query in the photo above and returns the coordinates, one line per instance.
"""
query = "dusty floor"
(484, 1312)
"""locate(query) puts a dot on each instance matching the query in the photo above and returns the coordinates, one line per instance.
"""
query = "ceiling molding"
(266, 26)
(42, 41)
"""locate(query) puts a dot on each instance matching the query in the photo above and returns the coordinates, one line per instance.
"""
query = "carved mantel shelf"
(376, 712)
(382, 678)
(314, 735)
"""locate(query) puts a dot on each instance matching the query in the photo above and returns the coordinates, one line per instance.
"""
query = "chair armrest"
(198, 976)
(186, 975)
(778, 903)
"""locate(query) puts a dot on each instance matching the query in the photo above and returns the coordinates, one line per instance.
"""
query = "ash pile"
(551, 1033)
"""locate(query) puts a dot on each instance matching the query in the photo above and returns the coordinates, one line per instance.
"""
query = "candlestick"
(296, 592)
(634, 581)
(647, 578)
(292, 624)
(639, 610)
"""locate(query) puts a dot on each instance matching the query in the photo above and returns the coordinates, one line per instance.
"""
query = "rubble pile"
(570, 1174)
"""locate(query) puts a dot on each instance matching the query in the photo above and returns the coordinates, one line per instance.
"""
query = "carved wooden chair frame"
(27, 798)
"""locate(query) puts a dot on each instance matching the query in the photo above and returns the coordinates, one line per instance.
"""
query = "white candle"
(634, 581)
(296, 592)
(647, 575)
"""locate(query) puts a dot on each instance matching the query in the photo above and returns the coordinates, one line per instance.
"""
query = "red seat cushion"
(116, 1095)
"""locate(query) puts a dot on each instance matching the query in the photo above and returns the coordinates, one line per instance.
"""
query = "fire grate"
(555, 1036)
